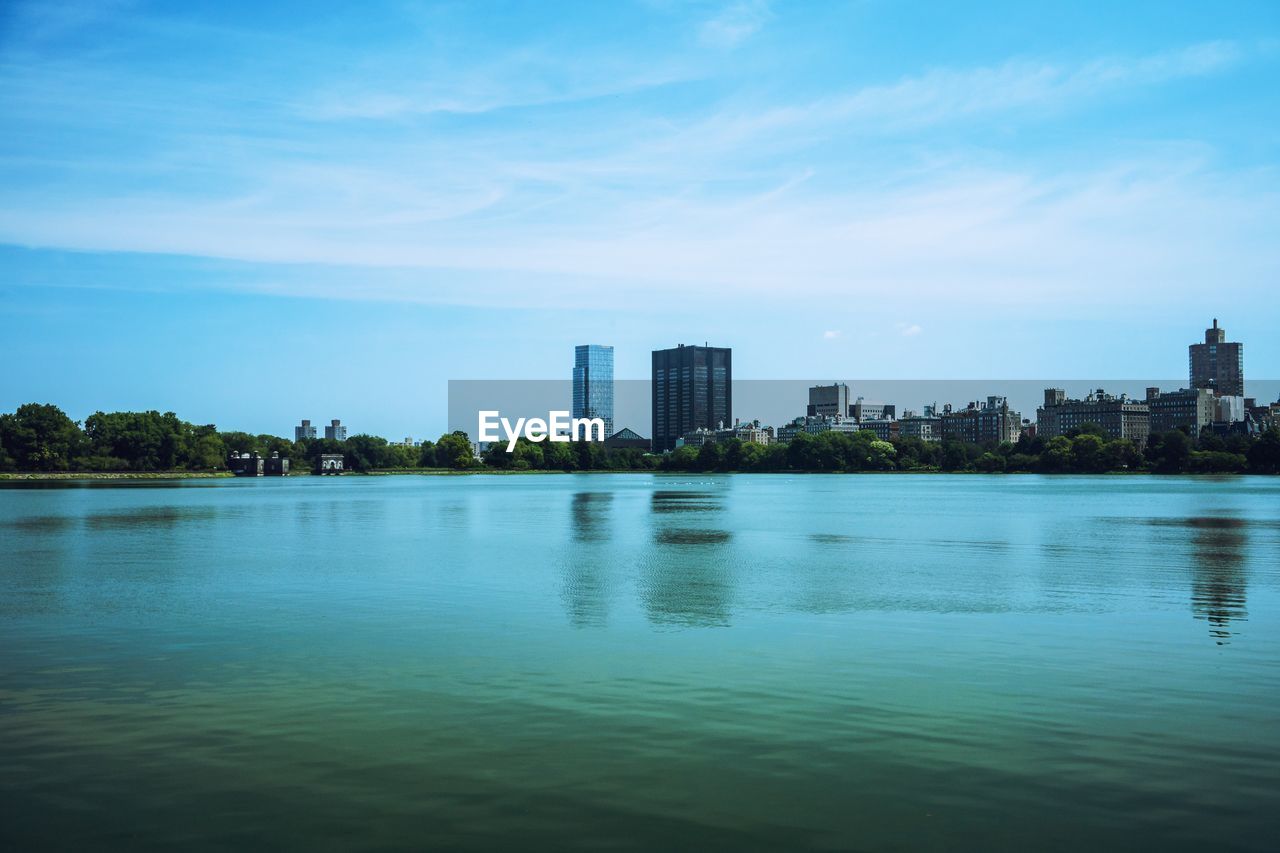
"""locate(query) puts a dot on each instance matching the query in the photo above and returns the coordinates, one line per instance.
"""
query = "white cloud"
(909, 330)
(736, 23)
(831, 335)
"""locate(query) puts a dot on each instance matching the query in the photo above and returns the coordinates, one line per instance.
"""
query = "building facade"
(1191, 409)
(863, 410)
(980, 423)
(692, 389)
(751, 431)
(593, 384)
(1217, 364)
(1118, 417)
(828, 400)
(926, 427)
(884, 429)
(304, 431)
(335, 431)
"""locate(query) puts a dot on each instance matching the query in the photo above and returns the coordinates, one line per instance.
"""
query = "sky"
(252, 213)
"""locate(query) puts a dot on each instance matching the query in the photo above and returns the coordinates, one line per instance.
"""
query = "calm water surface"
(642, 662)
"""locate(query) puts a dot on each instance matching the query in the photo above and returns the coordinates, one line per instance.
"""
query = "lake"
(871, 662)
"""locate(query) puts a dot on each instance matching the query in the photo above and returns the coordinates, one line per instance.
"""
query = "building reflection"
(686, 579)
(585, 584)
(1219, 580)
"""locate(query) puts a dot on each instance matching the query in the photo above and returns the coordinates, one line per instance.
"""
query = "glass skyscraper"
(593, 384)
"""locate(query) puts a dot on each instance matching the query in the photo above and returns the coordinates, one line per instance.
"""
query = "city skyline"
(462, 192)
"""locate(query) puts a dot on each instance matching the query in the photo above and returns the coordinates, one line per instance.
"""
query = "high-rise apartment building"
(980, 423)
(1191, 409)
(335, 431)
(1118, 417)
(1217, 364)
(692, 388)
(828, 400)
(304, 431)
(593, 384)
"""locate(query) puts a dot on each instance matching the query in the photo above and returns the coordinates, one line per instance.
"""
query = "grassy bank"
(114, 475)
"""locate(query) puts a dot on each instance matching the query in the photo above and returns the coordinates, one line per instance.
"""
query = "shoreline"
(68, 476)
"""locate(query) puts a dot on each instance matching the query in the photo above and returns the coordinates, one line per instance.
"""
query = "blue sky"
(252, 213)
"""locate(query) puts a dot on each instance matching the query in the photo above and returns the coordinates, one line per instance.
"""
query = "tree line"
(41, 437)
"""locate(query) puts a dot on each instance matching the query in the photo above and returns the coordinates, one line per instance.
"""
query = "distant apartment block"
(882, 428)
(1191, 409)
(1118, 417)
(751, 431)
(593, 384)
(926, 427)
(862, 410)
(304, 431)
(692, 389)
(980, 423)
(335, 431)
(1217, 364)
(815, 425)
(828, 401)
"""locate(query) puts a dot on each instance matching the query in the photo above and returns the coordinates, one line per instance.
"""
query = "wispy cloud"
(830, 335)
(909, 330)
(735, 23)
(533, 162)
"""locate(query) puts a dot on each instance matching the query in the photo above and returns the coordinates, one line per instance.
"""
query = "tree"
(711, 456)
(427, 455)
(454, 451)
(1056, 457)
(1087, 453)
(558, 456)
(1169, 452)
(40, 437)
(1264, 456)
(365, 452)
(990, 463)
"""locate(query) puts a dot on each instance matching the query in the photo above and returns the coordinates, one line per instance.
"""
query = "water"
(641, 662)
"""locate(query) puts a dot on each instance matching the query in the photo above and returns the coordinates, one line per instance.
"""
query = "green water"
(641, 662)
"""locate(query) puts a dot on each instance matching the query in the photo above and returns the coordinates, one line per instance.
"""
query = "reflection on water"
(672, 501)
(590, 515)
(1218, 547)
(1218, 585)
(584, 581)
(642, 662)
(688, 578)
(150, 516)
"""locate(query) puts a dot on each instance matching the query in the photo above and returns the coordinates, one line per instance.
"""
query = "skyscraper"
(335, 431)
(1217, 364)
(692, 388)
(304, 431)
(593, 384)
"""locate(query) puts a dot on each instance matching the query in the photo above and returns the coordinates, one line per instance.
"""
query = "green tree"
(427, 455)
(990, 463)
(1169, 452)
(454, 451)
(1264, 455)
(1087, 453)
(40, 437)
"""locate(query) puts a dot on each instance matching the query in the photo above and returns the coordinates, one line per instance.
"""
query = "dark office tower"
(1218, 365)
(692, 388)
